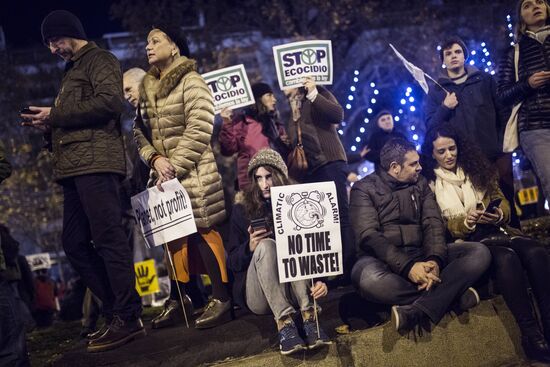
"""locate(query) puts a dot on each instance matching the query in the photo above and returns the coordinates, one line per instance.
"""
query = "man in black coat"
(471, 105)
(83, 127)
(404, 260)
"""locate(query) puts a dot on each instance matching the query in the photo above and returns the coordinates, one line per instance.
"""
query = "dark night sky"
(21, 19)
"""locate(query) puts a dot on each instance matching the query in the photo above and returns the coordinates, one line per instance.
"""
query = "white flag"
(416, 72)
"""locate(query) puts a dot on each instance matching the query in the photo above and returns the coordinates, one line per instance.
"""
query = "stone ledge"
(485, 336)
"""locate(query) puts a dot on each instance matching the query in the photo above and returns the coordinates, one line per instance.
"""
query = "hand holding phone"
(28, 111)
(37, 117)
(258, 230)
(493, 205)
(258, 223)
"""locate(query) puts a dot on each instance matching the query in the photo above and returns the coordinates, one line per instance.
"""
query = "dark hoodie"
(377, 139)
(477, 115)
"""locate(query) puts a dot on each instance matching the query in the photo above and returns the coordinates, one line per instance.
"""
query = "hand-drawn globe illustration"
(306, 211)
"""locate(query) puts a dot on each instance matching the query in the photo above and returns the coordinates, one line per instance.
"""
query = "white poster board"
(229, 87)
(39, 261)
(294, 61)
(307, 231)
(164, 216)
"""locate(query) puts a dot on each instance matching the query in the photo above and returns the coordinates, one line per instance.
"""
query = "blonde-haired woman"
(173, 130)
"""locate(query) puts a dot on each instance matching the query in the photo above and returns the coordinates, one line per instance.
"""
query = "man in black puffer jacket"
(404, 260)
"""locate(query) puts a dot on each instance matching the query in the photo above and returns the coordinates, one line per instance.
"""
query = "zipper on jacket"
(416, 212)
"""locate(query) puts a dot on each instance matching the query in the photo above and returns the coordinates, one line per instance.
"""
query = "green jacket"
(5, 167)
(85, 119)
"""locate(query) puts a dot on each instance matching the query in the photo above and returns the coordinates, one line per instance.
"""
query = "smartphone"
(27, 111)
(258, 223)
(493, 205)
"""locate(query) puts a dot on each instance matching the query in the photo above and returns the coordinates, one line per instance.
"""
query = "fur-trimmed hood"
(239, 198)
(153, 87)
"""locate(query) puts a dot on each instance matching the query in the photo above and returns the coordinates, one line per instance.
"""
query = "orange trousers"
(187, 259)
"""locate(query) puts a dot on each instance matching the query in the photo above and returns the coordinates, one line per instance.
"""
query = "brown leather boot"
(119, 333)
(172, 314)
(215, 313)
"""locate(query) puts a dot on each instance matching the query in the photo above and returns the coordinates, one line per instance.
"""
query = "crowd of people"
(419, 234)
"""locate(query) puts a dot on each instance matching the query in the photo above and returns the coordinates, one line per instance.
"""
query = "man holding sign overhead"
(253, 259)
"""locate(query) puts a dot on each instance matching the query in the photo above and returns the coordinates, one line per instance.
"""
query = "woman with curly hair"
(465, 184)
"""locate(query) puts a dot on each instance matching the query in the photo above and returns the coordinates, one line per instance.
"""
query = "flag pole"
(177, 282)
(315, 312)
(436, 83)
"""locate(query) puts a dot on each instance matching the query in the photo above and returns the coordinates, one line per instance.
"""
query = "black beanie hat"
(449, 42)
(62, 23)
(176, 35)
(259, 89)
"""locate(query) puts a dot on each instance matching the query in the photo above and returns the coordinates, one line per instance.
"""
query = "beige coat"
(175, 119)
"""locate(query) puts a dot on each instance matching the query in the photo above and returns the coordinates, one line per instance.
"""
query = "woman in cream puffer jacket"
(173, 129)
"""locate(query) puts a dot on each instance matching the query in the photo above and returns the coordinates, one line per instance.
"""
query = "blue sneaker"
(289, 339)
(314, 340)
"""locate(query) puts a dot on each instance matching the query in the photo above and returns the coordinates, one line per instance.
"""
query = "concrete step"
(485, 336)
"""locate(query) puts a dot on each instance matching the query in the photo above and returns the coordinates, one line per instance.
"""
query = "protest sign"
(294, 61)
(164, 216)
(229, 87)
(306, 223)
(146, 277)
(39, 261)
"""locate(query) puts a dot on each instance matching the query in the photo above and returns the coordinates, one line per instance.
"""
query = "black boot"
(172, 313)
(215, 313)
(119, 333)
(536, 347)
(406, 318)
(96, 334)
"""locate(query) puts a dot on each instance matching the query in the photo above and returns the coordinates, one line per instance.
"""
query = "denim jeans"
(96, 244)
(377, 283)
(535, 145)
(264, 293)
(13, 348)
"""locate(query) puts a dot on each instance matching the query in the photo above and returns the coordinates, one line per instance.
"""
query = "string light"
(408, 102)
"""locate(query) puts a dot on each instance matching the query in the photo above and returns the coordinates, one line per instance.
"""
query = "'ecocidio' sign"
(297, 60)
(230, 87)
